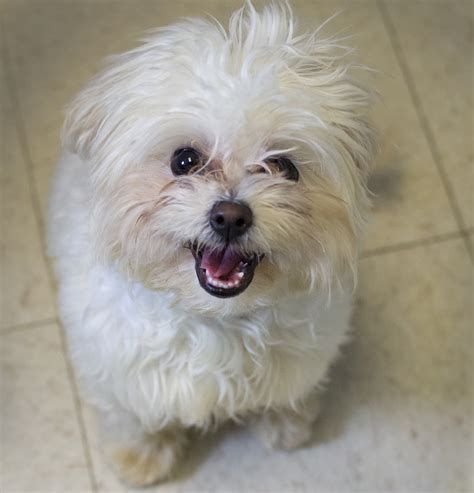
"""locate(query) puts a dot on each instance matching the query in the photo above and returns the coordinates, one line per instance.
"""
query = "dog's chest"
(204, 372)
(166, 365)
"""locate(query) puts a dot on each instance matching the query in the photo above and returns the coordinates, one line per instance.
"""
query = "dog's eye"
(284, 165)
(185, 160)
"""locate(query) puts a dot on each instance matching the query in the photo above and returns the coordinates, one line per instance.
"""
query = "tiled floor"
(399, 412)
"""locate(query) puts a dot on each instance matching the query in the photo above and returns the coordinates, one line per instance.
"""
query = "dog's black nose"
(230, 219)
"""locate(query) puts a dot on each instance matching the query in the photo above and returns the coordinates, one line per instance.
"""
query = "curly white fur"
(148, 343)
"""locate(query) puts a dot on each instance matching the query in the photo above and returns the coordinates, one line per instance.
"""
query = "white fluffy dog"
(205, 220)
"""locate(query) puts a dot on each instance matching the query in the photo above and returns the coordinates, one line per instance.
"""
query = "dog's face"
(228, 169)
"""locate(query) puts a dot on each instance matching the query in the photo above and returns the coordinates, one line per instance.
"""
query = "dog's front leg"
(139, 457)
(287, 428)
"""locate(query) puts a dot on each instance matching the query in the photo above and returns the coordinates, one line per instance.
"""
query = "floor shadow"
(336, 405)
(346, 389)
(385, 182)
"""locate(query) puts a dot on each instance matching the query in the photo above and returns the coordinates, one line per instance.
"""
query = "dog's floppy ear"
(107, 107)
(85, 115)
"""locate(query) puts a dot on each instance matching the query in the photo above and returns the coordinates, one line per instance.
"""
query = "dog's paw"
(287, 429)
(279, 432)
(148, 461)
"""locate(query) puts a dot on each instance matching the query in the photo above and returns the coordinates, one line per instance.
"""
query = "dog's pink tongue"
(220, 263)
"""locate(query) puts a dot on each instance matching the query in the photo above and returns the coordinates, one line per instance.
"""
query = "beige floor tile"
(414, 324)
(57, 46)
(398, 411)
(25, 294)
(40, 444)
(436, 38)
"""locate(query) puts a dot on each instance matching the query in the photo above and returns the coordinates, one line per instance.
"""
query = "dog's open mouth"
(224, 272)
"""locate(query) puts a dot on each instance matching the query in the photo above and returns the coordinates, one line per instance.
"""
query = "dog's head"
(228, 167)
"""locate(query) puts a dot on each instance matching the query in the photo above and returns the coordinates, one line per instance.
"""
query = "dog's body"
(163, 341)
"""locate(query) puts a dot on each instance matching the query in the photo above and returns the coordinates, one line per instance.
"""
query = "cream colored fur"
(154, 352)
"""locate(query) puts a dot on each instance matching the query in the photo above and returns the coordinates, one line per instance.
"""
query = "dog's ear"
(85, 115)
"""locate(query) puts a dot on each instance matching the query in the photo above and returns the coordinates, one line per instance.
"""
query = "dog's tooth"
(211, 280)
(217, 283)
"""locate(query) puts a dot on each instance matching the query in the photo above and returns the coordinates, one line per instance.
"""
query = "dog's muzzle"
(224, 271)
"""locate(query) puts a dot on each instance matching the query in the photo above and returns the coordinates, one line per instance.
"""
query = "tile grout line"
(410, 245)
(434, 151)
(27, 325)
(20, 128)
